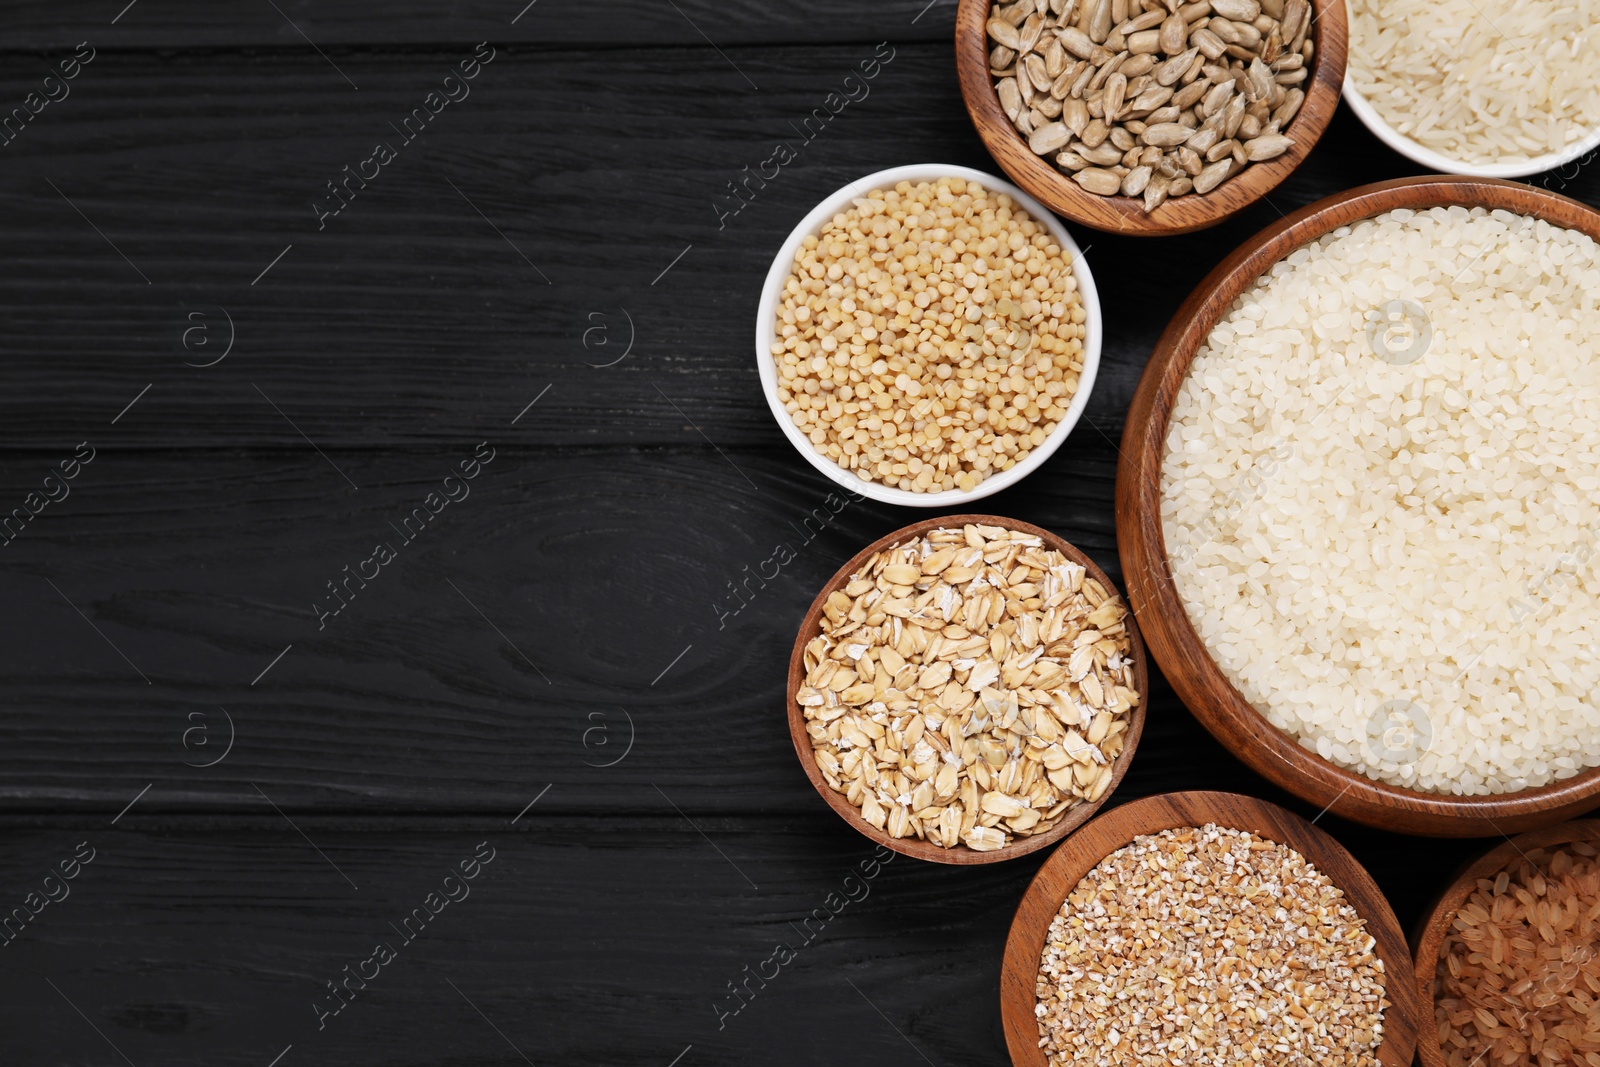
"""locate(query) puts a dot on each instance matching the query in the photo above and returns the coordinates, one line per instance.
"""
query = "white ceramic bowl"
(1444, 164)
(783, 264)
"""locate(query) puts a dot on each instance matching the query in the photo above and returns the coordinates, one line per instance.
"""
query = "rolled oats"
(969, 686)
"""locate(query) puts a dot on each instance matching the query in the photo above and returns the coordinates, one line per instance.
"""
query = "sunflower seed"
(1055, 58)
(1099, 20)
(1212, 175)
(1210, 45)
(1002, 32)
(1155, 193)
(1077, 42)
(1166, 134)
(1169, 72)
(1105, 154)
(1174, 31)
(1144, 42)
(1267, 146)
(1034, 65)
(1236, 10)
(1049, 138)
(1289, 108)
(1098, 181)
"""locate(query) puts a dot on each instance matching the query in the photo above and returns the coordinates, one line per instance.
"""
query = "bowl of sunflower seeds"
(1150, 117)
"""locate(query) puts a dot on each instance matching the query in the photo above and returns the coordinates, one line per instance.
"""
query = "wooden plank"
(342, 27)
(208, 941)
(196, 572)
(430, 321)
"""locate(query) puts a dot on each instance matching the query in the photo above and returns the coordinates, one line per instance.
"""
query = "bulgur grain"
(1208, 946)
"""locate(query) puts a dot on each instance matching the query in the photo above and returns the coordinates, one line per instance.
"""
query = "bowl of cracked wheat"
(1200, 928)
(967, 689)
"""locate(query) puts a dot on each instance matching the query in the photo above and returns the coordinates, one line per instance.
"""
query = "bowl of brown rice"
(1355, 508)
(928, 335)
(1508, 960)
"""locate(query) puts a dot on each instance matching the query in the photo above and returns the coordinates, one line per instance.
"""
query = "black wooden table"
(527, 750)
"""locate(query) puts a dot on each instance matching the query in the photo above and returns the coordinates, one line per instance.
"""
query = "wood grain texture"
(600, 940)
(1173, 641)
(600, 567)
(348, 29)
(1428, 937)
(409, 321)
(397, 338)
(1125, 215)
(204, 938)
(615, 189)
(1068, 865)
(917, 848)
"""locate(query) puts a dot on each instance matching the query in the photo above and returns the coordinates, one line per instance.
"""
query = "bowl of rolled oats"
(928, 335)
(967, 689)
(1201, 928)
(1149, 117)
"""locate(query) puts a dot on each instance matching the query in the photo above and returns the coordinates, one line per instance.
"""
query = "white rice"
(1480, 81)
(1346, 532)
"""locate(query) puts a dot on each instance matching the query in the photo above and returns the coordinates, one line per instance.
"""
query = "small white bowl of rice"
(1359, 506)
(1485, 88)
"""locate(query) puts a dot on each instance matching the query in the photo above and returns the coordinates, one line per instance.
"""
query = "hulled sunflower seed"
(1236, 10)
(1099, 181)
(1267, 146)
(1212, 175)
(1166, 134)
(1002, 32)
(1049, 138)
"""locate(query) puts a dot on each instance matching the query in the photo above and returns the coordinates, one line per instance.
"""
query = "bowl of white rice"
(1487, 88)
(1359, 505)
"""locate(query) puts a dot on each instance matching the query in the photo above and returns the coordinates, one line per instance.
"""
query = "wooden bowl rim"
(915, 847)
(1076, 857)
(1266, 748)
(1430, 931)
(1125, 215)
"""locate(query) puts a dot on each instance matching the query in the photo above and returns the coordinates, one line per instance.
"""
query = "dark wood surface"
(1080, 854)
(597, 545)
(1200, 683)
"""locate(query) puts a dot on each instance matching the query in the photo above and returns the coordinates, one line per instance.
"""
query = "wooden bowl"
(1125, 214)
(1076, 858)
(1184, 660)
(1429, 937)
(915, 847)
